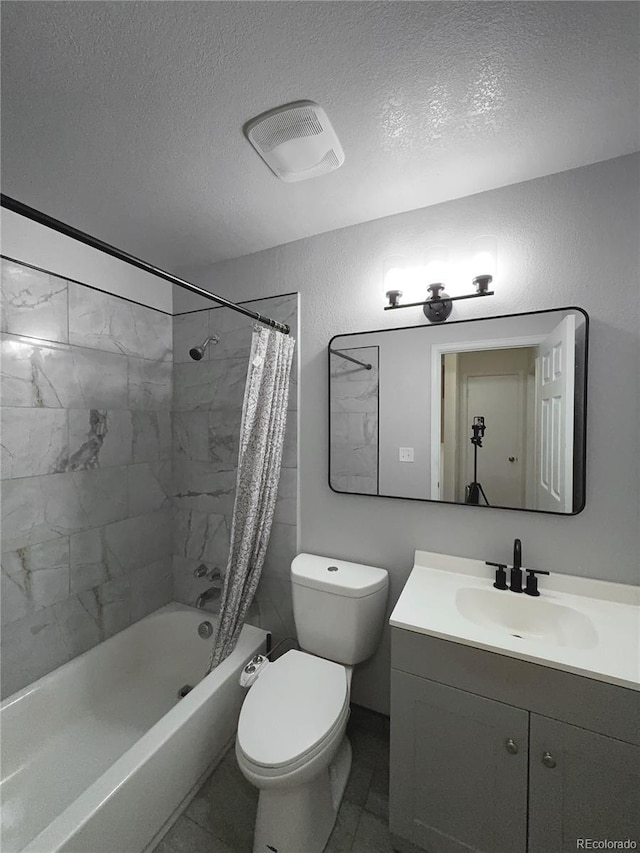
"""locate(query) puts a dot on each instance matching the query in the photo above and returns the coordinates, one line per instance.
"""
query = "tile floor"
(220, 819)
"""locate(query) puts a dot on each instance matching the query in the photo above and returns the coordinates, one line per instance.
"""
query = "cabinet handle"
(548, 760)
(511, 746)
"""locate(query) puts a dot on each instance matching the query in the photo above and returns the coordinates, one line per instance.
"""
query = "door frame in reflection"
(437, 351)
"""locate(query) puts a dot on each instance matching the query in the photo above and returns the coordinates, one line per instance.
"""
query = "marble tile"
(211, 384)
(368, 748)
(354, 485)
(33, 303)
(109, 605)
(151, 587)
(359, 783)
(34, 441)
(190, 330)
(363, 721)
(226, 806)
(43, 375)
(372, 835)
(377, 801)
(34, 578)
(344, 831)
(187, 587)
(287, 500)
(44, 640)
(31, 647)
(191, 435)
(354, 396)
(149, 487)
(102, 494)
(80, 625)
(223, 437)
(149, 385)
(37, 509)
(185, 836)
(99, 438)
(201, 536)
(151, 436)
(202, 486)
(343, 370)
(105, 322)
(354, 431)
(136, 542)
(91, 561)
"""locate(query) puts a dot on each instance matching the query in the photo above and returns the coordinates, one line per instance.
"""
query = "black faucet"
(516, 573)
(516, 569)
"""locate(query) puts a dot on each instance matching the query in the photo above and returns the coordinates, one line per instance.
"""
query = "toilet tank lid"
(339, 577)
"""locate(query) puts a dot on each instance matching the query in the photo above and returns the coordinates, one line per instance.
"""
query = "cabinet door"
(458, 769)
(582, 785)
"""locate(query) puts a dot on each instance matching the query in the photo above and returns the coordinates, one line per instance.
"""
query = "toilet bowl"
(291, 741)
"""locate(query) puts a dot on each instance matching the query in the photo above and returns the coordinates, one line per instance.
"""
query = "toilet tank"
(338, 607)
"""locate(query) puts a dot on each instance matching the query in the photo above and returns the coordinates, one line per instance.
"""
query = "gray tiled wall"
(86, 468)
(354, 395)
(206, 429)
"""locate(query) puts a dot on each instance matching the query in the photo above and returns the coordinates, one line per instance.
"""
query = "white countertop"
(607, 614)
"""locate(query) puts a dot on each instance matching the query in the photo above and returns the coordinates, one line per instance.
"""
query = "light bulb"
(436, 265)
(484, 253)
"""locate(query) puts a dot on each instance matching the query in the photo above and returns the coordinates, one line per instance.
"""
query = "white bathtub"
(100, 755)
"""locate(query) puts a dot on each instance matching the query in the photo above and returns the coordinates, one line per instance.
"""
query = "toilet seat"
(293, 708)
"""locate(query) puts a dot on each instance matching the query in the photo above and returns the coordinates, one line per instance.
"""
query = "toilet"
(291, 741)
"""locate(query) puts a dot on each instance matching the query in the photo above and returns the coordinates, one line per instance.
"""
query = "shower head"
(197, 353)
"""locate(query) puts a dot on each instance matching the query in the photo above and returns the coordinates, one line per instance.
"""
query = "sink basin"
(526, 618)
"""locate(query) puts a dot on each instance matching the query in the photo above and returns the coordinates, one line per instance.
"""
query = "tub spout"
(208, 595)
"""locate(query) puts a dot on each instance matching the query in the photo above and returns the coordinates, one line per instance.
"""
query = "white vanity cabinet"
(497, 755)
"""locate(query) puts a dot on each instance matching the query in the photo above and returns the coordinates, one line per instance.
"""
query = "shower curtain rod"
(350, 358)
(69, 231)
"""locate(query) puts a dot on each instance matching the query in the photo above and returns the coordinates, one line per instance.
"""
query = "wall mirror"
(487, 412)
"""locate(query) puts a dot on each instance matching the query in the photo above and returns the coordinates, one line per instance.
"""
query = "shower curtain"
(264, 415)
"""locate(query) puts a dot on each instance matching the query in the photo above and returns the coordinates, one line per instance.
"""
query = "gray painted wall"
(565, 239)
(86, 468)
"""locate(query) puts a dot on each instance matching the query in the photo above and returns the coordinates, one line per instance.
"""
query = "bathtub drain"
(205, 630)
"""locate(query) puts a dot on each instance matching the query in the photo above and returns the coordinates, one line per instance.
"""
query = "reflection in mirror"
(484, 412)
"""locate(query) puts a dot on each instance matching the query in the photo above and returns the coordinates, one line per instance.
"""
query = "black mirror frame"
(583, 456)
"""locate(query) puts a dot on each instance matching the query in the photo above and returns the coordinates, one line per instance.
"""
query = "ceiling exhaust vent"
(296, 141)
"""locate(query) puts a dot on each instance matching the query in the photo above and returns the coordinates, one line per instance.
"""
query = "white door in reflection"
(493, 384)
(555, 380)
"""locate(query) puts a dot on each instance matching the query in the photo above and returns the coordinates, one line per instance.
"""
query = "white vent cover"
(296, 141)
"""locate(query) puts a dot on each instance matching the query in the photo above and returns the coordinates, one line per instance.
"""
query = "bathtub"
(101, 755)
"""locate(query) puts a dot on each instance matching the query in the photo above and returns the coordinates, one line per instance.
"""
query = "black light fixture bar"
(350, 358)
(436, 301)
(69, 231)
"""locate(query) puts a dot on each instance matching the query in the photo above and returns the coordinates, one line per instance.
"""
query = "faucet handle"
(532, 581)
(501, 574)
(215, 575)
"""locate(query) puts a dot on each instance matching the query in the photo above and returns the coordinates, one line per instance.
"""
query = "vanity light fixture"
(439, 304)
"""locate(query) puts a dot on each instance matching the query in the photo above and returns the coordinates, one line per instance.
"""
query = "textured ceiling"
(124, 119)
